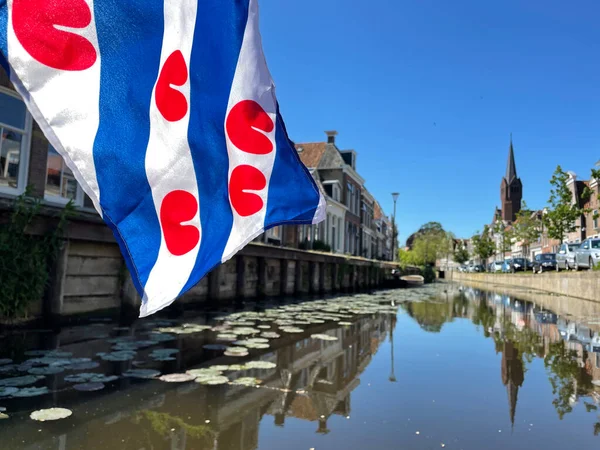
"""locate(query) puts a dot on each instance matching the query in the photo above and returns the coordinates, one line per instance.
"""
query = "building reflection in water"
(522, 331)
(313, 381)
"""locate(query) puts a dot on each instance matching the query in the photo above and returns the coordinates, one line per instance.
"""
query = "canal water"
(444, 366)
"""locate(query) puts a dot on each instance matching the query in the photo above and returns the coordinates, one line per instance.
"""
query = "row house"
(350, 226)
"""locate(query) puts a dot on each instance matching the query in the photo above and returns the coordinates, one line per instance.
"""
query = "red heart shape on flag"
(34, 23)
(245, 178)
(244, 121)
(177, 207)
(171, 103)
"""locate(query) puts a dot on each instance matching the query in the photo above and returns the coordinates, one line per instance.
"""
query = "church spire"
(511, 168)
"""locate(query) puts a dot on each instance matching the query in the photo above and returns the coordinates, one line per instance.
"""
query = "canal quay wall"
(582, 285)
(90, 277)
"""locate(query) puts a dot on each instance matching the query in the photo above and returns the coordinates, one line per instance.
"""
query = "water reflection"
(522, 331)
(386, 377)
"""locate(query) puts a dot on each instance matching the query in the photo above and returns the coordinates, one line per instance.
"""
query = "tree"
(526, 228)
(461, 254)
(506, 235)
(483, 245)
(563, 211)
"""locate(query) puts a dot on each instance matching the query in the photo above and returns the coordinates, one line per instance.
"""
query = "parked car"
(544, 262)
(497, 266)
(588, 254)
(520, 264)
(507, 266)
(478, 268)
(565, 258)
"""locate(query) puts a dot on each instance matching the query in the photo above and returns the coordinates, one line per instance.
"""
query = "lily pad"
(7, 391)
(124, 355)
(292, 330)
(177, 378)
(236, 368)
(257, 346)
(161, 337)
(91, 377)
(212, 381)
(83, 365)
(50, 370)
(226, 337)
(260, 365)
(5, 361)
(264, 327)
(142, 373)
(324, 337)
(245, 331)
(270, 335)
(44, 415)
(3, 416)
(207, 371)
(20, 381)
(246, 381)
(88, 387)
(346, 324)
(31, 392)
(9, 368)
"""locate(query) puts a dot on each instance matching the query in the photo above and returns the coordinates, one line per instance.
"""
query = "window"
(15, 131)
(595, 219)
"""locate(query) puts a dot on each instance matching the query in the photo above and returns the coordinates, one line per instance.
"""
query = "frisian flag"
(166, 113)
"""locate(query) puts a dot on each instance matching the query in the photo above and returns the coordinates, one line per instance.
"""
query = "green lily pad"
(324, 337)
(260, 365)
(90, 377)
(226, 337)
(7, 391)
(257, 346)
(31, 392)
(44, 415)
(212, 381)
(270, 335)
(124, 355)
(88, 387)
(3, 416)
(246, 381)
(50, 370)
(83, 365)
(205, 372)
(5, 361)
(292, 330)
(20, 381)
(142, 373)
(177, 378)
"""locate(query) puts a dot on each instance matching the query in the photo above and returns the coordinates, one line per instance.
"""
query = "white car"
(497, 266)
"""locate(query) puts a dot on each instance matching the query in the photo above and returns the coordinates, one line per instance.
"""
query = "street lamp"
(394, 231)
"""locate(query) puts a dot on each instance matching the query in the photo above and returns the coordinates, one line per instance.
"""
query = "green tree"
(461, 254)
(483, 245)
(506, 236)
(563, 211)
(527, 228)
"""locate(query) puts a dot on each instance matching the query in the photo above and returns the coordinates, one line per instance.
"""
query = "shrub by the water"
(25, 259)
(428, 274)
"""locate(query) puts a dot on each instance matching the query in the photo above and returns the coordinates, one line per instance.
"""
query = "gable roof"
(377, 212)
(311, 153)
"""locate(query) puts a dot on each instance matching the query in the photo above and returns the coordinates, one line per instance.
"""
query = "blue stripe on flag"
(130, 40)
(293, 193)
(4, 35)
(215, 54)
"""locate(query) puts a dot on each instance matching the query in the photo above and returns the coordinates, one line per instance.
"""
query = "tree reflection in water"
(521, 332)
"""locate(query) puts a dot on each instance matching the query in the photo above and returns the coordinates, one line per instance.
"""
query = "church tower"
(511, 189)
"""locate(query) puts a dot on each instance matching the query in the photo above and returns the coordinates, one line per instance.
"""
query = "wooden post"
(283, 276)
(335, 268)
(297, 278)
(261, 284)
(322, 277)
(240, 284)
(53, 296)
(214, 284)
(312, 268)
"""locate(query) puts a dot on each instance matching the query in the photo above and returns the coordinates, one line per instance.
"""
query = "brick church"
(511, 191)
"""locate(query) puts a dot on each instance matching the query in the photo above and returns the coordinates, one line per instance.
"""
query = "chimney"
(331, 136)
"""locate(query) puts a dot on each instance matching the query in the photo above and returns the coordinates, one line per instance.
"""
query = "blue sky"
(427, 92)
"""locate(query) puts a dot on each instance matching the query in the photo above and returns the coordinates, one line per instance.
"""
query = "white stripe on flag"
(69, 99)
(252, 82)
(169, 164)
